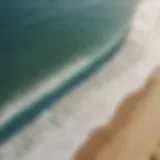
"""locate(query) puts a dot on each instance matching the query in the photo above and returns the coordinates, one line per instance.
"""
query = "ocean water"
(40, 37)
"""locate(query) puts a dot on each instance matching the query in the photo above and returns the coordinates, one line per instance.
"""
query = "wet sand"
(134, 132)
(63, 129)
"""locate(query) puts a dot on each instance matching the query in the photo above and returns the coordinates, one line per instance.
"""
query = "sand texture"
(133, 133)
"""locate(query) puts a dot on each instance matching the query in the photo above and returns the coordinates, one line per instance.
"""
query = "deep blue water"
(38, 37)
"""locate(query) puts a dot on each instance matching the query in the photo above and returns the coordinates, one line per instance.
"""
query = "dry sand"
(57, 134)
(134, 132)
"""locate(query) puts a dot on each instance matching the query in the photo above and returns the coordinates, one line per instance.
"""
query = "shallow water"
(39, 37)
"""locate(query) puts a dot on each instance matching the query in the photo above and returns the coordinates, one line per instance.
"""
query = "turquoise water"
(39, 37)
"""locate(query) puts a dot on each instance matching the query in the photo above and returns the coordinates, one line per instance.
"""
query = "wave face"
(40, 37)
